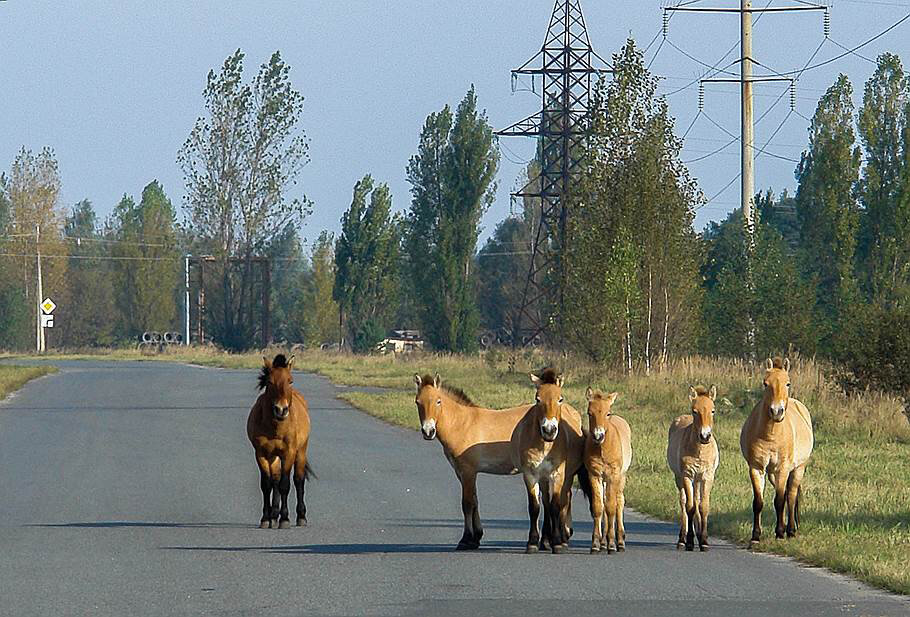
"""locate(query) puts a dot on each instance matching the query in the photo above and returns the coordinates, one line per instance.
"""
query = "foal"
(777, 438)
(279, 429)
(693, 457)
(608, 455)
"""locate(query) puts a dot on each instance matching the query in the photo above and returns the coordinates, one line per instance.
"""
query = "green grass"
(14, 377)
(856, 508)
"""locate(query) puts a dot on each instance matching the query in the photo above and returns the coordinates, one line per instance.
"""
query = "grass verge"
(856, 511)
(14, 377)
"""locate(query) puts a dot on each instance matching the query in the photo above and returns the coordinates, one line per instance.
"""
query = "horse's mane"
(280, 361)
(778, 362)
(598, 395)
(702, 391)
(456, 393)
(549, 375)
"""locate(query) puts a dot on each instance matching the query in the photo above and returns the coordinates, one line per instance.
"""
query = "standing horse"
(474, 440)
(693, 457)
(279, 429)
(607, 456)
(548, 449)
(777, 439)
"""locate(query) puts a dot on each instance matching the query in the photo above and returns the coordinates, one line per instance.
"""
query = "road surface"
(130, 489)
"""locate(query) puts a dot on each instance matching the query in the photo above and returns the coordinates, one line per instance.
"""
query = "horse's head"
(276, 380)
(549, 402)
(600, 408)
(702, 400)
(429, 403)
(777, 388)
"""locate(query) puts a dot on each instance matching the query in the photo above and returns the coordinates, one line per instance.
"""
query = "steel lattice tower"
(566, 66)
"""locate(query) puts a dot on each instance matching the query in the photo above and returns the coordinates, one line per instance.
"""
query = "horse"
(607, 457)
(777, 439)
(474, 440)
(548, 448)
(279, 429)
(693, 457)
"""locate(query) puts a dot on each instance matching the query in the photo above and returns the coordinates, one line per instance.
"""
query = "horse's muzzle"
(598, 435)
(281, 414)
(549, 434)
(428, 429)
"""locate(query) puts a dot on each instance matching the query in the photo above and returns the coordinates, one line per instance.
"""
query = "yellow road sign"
(48, 306)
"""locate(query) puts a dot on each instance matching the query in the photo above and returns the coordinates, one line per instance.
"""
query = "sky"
(114, 86)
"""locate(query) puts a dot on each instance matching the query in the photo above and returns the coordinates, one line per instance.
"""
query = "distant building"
(401, 341)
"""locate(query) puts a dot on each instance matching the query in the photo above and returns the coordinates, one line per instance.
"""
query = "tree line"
(635, 283)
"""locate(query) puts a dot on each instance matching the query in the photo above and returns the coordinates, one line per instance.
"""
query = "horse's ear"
(769, 364)
(290, 362)
(266, 363)
(535, 379)
(611, 398)
(418, 381)
(713, 393)
(787, 364)
(589, 394)
(437, 381)
(693, 393)
(559, 381)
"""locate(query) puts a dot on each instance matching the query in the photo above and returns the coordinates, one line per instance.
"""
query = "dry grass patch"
(14, 377)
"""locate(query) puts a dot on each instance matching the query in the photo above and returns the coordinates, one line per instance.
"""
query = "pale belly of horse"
(491, 465)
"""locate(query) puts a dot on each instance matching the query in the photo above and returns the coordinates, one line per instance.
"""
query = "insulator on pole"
(701, 96)
(793, 95)
(666, 26)
(514, 83)
(827, 23)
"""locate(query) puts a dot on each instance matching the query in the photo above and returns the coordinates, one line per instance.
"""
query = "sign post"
(47, 317)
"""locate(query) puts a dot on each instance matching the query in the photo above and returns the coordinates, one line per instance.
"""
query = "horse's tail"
(799, 494)
(308, 472)
(584, 480)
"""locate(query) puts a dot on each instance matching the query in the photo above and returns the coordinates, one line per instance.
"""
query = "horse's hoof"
(531, 549)
(610, 551)
(791, 534)
(301, 522)
(467, 546)
(273, 524)
(753, 543)
(560, 549)
(621, 548)
(264, 524)
(595, 550)
(690, 547)
(284, 524)
(680, 546)
(545, 545)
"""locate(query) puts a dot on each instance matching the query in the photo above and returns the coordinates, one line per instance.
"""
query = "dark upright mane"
(702, 391)
(549, 375)
(778, 362)
(456, 393)
(280, 361)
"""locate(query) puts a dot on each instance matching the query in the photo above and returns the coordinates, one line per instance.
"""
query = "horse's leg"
(757, 477)
(300, 487)
(533, 487)
(704, 507)
(468, 505)
(597, 512)
(690, 513)
(683, 509)
(546, 538)
(559, 537)
(793, 486)
(610, 501)
(620, 506)
(780, 502)
(275, 475)
(265, 484)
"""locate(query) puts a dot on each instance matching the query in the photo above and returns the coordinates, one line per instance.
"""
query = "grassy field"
(14, 377)
(856, 509)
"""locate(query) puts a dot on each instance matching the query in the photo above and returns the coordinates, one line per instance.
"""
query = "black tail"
(308, 472)
(584, 480)
(799, 494)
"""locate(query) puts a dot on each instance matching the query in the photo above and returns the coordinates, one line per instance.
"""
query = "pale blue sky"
(114, 86)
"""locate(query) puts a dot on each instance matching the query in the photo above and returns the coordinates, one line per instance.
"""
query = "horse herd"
(546, 443)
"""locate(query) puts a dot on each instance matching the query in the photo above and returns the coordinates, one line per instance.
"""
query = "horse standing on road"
(777, 439)
(279, 429)
(607, 457)
(693, 457)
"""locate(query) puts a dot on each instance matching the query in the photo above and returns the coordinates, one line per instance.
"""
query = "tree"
(15, 327)
(883, 251)
(90, 316)
(240, 162)
(630, 221)
(147, 266)
(366, 276)
(828, 213)
(452, 184)
(317, 309)
(287, 270)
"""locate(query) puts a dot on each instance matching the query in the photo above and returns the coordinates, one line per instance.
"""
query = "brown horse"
(474, 440)
(777, 439)
(607, 456)
(548, 447)
(279, 429)
(693, 457)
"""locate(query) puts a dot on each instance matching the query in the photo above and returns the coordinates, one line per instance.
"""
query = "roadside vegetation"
(14, 377)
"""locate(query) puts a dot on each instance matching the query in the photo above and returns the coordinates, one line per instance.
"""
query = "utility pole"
(747, 80)
(186, 301)
(39, 341)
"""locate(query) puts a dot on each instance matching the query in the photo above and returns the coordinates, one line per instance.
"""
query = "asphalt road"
(130, 489)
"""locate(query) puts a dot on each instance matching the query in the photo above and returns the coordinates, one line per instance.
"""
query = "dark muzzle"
(280, 413)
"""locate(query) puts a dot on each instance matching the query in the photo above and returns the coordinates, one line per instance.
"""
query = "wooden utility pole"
(39, 297)
(748, 127)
